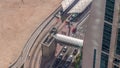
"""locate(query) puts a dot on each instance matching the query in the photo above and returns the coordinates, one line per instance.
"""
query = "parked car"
(53, 30)
(66, 65)
(57, 61)
(61, 64)
(69, 59)
(75, 51)
(60, 56)
(64, 49)
(72, 17)
(68, 62)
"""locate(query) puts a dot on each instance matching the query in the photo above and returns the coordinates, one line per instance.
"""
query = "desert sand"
(18, 20)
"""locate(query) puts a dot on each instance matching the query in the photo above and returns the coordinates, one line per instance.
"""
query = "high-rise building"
(101, 47)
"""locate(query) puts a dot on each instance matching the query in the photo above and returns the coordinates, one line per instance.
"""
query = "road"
(31, 52)
(34, 60)
(78, 24)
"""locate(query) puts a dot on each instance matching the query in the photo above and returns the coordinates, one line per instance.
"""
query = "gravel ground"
(18, 19)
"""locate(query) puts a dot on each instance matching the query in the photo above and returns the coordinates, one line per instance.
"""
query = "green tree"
(77, 60)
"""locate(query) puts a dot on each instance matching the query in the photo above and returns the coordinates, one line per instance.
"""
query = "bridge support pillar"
(48, 48)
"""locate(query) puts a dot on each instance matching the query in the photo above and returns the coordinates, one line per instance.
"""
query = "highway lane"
(24, 54)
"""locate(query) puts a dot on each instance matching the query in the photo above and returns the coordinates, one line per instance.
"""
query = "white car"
(64, 49)
(69, 59)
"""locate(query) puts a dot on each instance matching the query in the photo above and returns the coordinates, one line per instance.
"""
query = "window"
(109, 10)
(94, 59)
(104, 61)
(114, 66)
(106, 37)
(118, 43)
(116, 61)
(119, 14)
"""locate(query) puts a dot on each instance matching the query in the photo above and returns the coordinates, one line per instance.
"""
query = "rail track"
(35, 59)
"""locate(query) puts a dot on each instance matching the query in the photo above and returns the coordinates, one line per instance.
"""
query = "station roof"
(80, 6)
(66, 4)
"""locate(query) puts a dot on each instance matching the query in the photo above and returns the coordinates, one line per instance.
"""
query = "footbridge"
(70, 41)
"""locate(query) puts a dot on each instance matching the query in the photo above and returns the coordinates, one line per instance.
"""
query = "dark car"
(53, 30)
(68, 62)
(60, 66)
(57, 61)
(75, 51)
(66, 65)
(64, 49)
(72, 17)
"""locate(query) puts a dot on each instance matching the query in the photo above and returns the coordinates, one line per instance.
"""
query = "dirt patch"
(18, 20)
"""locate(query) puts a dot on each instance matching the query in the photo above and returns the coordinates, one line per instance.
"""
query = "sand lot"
(18, 19)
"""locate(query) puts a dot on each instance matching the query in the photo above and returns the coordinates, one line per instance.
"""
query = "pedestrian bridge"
(71, 41)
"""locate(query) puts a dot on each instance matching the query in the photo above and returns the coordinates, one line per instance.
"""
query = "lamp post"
(69, 27)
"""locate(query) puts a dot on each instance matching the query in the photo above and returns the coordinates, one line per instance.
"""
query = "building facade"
(101, 47)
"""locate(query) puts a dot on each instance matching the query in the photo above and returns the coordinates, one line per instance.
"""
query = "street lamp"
(69, 26)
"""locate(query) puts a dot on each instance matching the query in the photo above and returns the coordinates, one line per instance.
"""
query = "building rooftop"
(66, 4)
(80, 6)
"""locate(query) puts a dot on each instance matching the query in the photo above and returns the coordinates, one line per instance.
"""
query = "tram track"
(36, 51)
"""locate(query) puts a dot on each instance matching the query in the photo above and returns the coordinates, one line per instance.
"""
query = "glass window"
(118, 43)
(119, 14)
(107, 18)
(104, 61)
(94, 59)
(106, 37)
(116, 61)
(105, 48)
(109, 10)
(114, 66)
